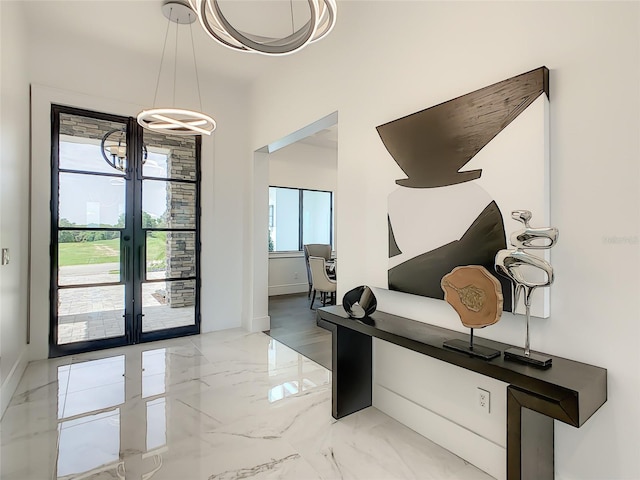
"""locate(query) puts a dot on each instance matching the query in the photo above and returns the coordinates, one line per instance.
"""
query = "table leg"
(352, 370)
(530, 453)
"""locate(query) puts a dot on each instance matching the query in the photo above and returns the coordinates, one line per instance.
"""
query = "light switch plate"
(5, 256)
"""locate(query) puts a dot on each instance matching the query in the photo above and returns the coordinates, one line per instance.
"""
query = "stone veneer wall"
(85, 127)
(181, 203)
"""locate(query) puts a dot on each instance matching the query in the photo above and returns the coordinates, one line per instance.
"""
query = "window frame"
(301, 216)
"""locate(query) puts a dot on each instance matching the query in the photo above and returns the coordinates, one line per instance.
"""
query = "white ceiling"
(139, 27)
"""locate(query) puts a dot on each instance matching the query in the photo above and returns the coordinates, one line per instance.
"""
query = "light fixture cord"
(175, 64)
(166, 35)
(293, 30)
(195, 63)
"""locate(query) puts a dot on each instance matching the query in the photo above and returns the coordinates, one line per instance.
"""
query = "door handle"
(143, 274)
(139, 327)
(126, 264)
(127, 331)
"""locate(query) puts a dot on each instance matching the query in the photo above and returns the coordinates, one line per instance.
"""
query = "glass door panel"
(170, 254)
(87, 200)
(79, 143)
(91, 238)
(168, 305)
(159, 165)
(169, 204)
(90, 313)
(88, 257)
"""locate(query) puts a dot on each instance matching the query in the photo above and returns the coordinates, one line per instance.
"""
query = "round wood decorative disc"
(475, 295)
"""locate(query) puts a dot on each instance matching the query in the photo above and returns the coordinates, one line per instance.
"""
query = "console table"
(569, 391)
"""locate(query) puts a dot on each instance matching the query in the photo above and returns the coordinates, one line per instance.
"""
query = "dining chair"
(315, 250)
(321, 281)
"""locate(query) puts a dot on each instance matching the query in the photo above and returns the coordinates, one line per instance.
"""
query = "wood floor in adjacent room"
(294, 324)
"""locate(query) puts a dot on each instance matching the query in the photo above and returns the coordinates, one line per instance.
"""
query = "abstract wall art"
(468, 162)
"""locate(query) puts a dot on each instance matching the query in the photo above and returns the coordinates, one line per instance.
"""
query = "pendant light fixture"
(114, 149)
(177, 121)
(321, 22)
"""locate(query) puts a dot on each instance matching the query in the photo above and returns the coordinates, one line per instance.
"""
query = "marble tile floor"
(219, 406)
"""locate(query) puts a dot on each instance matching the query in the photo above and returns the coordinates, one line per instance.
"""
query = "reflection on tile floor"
(224, 405)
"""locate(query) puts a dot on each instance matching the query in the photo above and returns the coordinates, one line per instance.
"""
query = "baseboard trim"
(288, 289)
(260, 324)
(475, 449)
(10, 384)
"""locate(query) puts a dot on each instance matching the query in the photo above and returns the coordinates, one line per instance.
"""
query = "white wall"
(299, 165)
(431, 52)
(14, 198)
(73, 73)
(304, 166)
(256, 313)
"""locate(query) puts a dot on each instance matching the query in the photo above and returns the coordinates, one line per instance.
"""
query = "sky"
(95, 199)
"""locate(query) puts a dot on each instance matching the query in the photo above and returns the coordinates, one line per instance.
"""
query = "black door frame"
(132, 244)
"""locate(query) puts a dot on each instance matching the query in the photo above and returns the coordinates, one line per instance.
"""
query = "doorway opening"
(125, 224)
(305, 163)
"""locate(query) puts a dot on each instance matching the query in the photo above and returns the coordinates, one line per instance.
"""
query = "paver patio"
(94, 313)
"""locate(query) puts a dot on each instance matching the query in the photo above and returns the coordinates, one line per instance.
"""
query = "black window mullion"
(172, 279)
(90, 285)
(331, 219)
(167, 179)
(53, 206)
(97, 229)
(300, 212)
(160, 229)
(86, 172)
(139, 235)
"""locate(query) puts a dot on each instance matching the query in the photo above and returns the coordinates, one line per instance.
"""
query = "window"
(298, 217)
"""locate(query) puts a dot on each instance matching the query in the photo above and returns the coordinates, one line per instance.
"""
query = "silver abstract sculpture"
(514, 264)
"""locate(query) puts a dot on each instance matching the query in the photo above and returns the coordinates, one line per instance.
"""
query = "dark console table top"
(578, 389)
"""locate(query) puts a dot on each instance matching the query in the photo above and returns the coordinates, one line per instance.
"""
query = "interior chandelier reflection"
(114, 149)
(322, 18)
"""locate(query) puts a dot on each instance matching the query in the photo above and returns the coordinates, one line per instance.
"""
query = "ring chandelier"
(177, 121)
(321, 22)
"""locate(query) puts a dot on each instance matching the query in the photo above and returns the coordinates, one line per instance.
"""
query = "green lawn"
(107, 251)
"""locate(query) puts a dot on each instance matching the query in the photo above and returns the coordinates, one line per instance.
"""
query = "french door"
(125, 243)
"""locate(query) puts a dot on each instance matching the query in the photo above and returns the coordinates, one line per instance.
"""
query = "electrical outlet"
(484, 400)
(295, 276)
(5, 256)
